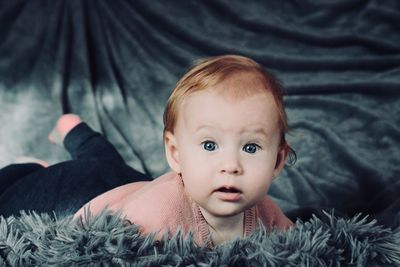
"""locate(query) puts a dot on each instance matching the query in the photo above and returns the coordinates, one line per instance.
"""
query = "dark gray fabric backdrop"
(115, 62)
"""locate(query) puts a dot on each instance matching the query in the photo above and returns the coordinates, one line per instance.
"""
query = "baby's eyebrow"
(258, 131)
(253, 131)
(204, 127)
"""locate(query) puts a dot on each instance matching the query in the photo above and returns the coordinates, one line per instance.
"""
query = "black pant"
(63, 188)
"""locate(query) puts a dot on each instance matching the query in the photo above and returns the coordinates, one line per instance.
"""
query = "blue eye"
(250, 148)
(209, 145)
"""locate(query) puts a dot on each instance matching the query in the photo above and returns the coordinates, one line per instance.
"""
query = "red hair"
(211, 71)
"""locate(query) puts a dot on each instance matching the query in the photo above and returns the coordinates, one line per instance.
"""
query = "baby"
(224, 140)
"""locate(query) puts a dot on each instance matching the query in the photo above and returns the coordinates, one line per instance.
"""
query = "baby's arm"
(113, 199)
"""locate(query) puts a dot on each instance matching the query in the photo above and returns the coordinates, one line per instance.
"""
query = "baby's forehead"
(215, 110)
(240, 85)
(234, 87)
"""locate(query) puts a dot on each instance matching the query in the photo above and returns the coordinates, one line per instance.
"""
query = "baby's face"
(227, 149)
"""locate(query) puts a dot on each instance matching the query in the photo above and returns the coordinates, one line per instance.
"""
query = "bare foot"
(24, 159)
(63, 126)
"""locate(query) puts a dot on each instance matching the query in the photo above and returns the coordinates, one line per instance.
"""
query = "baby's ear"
(280, 160)
(171, 151)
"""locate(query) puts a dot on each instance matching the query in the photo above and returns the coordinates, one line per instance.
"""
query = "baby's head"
(224, 132)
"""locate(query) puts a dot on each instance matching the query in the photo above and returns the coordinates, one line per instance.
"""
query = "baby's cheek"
(194, 161)
(195, 156)
(258, 195)
(260, 183)
(264, 168)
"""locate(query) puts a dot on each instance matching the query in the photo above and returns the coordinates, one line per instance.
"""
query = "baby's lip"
(228, 189)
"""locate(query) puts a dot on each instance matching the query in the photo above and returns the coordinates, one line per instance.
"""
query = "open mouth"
(228, 190)
(229, 194)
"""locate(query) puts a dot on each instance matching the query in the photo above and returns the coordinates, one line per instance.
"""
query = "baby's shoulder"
(164, 188)
(159, 205)
(112, 199)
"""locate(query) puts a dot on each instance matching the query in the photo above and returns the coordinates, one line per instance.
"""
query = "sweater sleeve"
(160, 206)
(110, 199)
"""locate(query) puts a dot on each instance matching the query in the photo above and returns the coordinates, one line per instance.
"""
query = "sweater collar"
(204, 236)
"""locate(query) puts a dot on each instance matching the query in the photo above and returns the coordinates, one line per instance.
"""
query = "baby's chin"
(225, 211)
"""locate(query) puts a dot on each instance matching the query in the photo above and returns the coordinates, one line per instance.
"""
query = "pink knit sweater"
(163, 206)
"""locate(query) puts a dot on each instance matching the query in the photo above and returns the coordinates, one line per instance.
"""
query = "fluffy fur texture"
(106, 240)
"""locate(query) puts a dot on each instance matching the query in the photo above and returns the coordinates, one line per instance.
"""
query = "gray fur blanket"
(108, 240)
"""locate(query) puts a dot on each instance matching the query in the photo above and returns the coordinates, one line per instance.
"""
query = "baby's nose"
(231, 165)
